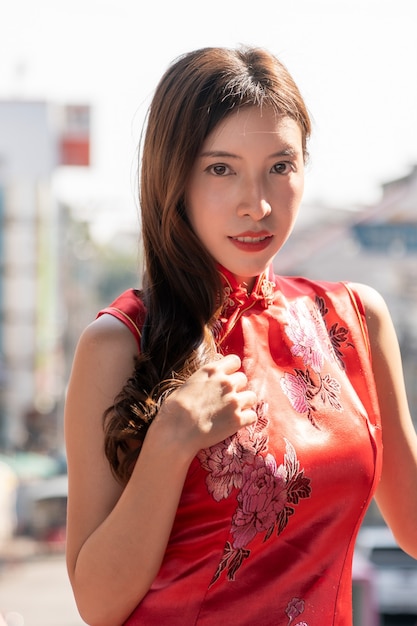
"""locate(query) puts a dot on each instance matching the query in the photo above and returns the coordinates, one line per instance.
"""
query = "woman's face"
(245, 189)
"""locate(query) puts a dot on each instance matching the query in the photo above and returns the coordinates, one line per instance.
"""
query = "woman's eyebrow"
(287, 151)
(219, 153)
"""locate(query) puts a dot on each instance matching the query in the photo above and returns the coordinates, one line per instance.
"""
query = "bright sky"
(355, 62)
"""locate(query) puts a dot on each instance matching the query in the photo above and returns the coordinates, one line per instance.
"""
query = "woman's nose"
(254, 202)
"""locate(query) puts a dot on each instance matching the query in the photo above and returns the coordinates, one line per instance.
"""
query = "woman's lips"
(251, 242)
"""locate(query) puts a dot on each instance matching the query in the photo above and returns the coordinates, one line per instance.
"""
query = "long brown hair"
(181, 289)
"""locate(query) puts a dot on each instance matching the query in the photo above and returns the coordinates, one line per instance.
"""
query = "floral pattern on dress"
(312, 342)
(338, 335)
(294, 609)
(308, 334)
(225, 461)
(268, 493)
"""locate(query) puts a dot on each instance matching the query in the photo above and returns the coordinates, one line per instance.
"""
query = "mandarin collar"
(236, 296)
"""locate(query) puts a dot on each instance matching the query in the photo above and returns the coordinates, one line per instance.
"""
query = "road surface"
(36, 592)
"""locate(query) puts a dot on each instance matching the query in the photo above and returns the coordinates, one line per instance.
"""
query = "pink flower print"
(224, 463)
(262, 498)
(294, 609)
(302, 391)
(331, 388)
(254, 437)
(296, 387)
(338, 335)
(308, 335)
(251, 441)
(266, 502)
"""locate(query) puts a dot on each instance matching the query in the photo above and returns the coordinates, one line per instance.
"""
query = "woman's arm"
(397, 492)
(116, 537)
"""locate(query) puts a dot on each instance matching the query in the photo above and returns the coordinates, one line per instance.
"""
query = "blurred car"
(395, 571)
(41, 507)
(364, 598)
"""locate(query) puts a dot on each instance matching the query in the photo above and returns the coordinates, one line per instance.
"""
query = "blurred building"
(35, 139)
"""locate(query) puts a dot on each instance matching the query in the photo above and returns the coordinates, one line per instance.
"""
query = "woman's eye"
(282, 168)
(219, 169)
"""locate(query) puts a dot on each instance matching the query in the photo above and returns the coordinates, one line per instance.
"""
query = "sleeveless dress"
(266, 525)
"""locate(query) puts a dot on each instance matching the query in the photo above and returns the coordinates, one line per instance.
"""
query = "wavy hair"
(182, 290)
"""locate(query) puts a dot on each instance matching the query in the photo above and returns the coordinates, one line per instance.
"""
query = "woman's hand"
(212, 404)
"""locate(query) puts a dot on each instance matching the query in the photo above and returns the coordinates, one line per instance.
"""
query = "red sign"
(74, 145)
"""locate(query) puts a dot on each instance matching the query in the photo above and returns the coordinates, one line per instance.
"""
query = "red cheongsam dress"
(266, 525)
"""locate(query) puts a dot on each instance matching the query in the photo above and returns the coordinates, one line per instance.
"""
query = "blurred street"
(34, 588)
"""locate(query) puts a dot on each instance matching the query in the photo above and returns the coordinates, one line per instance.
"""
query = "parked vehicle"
(42, 508)
(364, 598)
(395, 571)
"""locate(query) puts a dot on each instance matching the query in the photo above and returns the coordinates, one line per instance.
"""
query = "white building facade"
(32, 146)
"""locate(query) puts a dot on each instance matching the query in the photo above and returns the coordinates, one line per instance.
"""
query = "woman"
(241, 441)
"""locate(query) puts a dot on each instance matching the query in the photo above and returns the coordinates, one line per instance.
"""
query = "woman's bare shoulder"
(107, 328)
(103, 361)
(107, 334)
(371, 298)
(378, 317)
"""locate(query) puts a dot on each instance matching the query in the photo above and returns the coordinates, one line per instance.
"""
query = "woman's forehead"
(253, 123)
